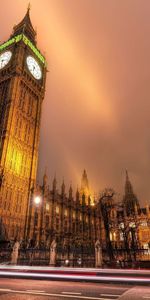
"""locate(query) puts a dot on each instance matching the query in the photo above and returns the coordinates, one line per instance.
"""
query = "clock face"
(34, 67)
(5, 58)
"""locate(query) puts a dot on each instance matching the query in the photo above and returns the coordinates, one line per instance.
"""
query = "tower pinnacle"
(29, 6)
(128, 185)
(25, 27)
(45, 178)
(84, 181)
(130, 201)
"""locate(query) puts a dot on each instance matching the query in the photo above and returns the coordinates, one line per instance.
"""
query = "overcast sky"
(96, 112)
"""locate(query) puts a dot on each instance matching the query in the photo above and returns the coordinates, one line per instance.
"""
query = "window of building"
(36, 219)
(47, 221)
(145, 246)
(47, 207)
(132, 224)
(73, 227)
(121, 236)
(121, 225)
(19, 128)
(57, 209)
(143, 223)
(28, 134)
(80, 228)
(66, 212)
(114, 236)
(65, 226)
(111, 236)
(57, 224)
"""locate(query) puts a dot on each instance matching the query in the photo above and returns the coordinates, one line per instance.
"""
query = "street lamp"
(67, 262)
(37, 200)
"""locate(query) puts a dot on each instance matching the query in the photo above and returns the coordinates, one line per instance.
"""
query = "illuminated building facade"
(76, 229)
(22, 87)
(57, 217)
(70, 221)
(128, 229)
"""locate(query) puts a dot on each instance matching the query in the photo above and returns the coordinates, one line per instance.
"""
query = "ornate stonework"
(21, 97)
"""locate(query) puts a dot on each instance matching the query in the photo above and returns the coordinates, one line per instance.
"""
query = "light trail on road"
(70, 277)
(86, 271)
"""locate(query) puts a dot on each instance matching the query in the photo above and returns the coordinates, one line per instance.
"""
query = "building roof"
(25, 27)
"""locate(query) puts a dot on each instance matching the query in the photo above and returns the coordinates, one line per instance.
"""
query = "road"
(22, 289)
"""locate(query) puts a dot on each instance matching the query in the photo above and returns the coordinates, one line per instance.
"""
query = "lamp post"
(36, 201)
(28, 217)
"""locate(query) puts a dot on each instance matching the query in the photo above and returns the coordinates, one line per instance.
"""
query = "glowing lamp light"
(37, 200)
(67, 262)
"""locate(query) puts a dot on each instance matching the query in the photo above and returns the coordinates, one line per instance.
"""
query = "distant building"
(78, 226)
(129, 228)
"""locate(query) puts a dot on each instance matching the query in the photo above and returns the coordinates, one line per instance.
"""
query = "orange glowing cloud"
(95, 99)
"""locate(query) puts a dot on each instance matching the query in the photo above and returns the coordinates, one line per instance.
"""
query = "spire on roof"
(128, 185)
(84, 181)
(45, 178)
(70, 191)
(127, 176)
(63, 188)
(29, 6)
(54, 184)
(25, 27)
(77, 195)
(130, 200)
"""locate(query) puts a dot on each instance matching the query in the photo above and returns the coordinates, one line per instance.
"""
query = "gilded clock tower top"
(25, 27)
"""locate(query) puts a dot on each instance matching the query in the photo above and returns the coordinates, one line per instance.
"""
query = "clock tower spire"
(25, 27)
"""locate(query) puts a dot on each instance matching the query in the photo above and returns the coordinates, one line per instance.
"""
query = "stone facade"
(72, 224)
(127, 231)
(21, 97)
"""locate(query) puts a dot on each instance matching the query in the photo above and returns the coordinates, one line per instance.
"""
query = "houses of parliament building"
(77, 229)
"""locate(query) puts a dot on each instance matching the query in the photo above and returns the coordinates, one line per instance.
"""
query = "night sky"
(96, 112)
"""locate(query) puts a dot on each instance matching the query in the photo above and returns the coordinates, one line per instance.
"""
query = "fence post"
(14, 255)
(52, 260)
(98, 255)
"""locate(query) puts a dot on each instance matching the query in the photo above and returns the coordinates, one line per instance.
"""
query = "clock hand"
(2, 62)
(33, 68)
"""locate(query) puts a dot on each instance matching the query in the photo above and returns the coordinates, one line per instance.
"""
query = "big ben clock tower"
(22, 88)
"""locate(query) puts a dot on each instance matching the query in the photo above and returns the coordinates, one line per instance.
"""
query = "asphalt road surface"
(22, 289)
